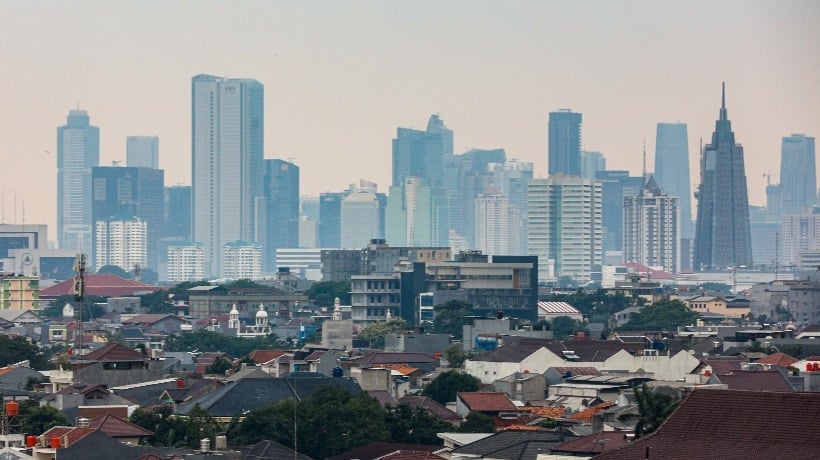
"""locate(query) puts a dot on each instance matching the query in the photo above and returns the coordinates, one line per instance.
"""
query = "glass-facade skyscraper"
(281, 215)
(78, 150)
(227, 162)
(564, 143)
(798, 174)
(672, 170)
(723, 235)
(142, 151)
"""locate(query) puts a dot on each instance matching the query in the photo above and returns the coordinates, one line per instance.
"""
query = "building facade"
(723, 235)
(330, 219)
(672, 170)
(78, 150)
(362, 218)
(564, 137)
(651, 228)
(497, 224)
(227, 162)
(422, 153)
(186, 262)
(564, 227)
(281, 210)
(122, 243)
(800, 234)
(142, 152)
(242, 260)
(591, 163)
(19, 292)
(798, 174)
(416, 214)
(616, 186)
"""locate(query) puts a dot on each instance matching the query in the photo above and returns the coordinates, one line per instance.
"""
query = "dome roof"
(234, 311)
(261, 313)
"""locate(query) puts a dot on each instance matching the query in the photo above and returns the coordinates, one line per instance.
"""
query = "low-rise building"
(19, 292)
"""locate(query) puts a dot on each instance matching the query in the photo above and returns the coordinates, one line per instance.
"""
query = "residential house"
(588, 446)
(729, 307)
(497, 405)
(435, 408)
(115, 364)
(120, 429)
(153, 323)
(512, 444)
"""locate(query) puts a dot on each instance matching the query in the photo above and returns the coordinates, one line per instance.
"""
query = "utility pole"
(79, 293)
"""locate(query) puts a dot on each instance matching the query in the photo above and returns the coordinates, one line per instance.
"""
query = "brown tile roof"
(394, 358)
(592, 444)
(92, 412)
(410, 455)
(733, 425)
(264, 356)
(376, 450)
(756, 381)
(114, 352)
(487, 401)
(68, 435)
(118, 428)
(778, 359)
(586, 414)
(100, 285)
(723, 366)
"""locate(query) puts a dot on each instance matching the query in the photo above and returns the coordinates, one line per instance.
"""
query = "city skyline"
(492, 71)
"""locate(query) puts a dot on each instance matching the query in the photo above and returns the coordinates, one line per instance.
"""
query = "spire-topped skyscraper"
(722, 236)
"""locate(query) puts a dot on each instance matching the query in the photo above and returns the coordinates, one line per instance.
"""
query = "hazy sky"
(340, 76)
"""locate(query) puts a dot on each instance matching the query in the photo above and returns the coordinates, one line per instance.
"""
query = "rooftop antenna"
(644, 159)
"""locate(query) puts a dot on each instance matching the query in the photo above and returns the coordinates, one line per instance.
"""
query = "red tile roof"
(68, 435)
(114, 352)
(487, 401)
(118, 428)
(778, 359)
(100, 285)
(586, 414)
(733, 425)
(264, 356)
(544, 411)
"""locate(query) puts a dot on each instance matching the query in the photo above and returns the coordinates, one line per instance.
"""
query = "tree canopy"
(444, 387)
(666, 314)
(476, 422)
(38, 419)
(204, 340)
(564, 326)
(324, 293)
(596, 305)
(14, 349)
(450, 318)
(654, 407)
(375, 332)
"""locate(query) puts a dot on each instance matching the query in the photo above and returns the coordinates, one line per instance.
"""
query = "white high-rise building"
(123, 243)
(496, 224)
(651, 227)
(142, 151)
(227, 162)
(186, 262)
(78, 150)
(241, 260)
(564, 226)
(800, 235)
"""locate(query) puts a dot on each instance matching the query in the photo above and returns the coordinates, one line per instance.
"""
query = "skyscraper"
(564, 151)
(78, 150)
(330, 219)
(281, 213)
(497, 224)
(414, 215)
(672, 170)
(124, 193)
(616, 186)
(651, 228)
(421, 153)
(362, 216)
(564, 226)
(591, 163)
(227, 167)
(122, 243)
(798, 174)
(142, 151)
(178, 212)
(722, 237)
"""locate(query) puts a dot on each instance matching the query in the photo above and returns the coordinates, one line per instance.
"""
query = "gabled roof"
(723, 366)
(100, 285)
(756, 381)
(434, 407)
(487, 401)
(513, 352)
(114, 352)
(264, 356)
(150, 318)
(270, 449)
(576, 371)
(117, 427)
(732, 425)
(68, 434)
(778, 359)
(592, 444)
(556, 308)
(384, 397)
(376, 450)
(512, 444)
(414, 454)
(394, 358)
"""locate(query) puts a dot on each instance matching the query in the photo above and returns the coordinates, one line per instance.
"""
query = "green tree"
(169, 431)
(409, 425)
(38, 419)
(564, 326)
(758, 347)
(114, 270)
(220, 366)
(204, 340)
(199, 425)
(270, 422)
(324, 293)
(444, 387)
(14, 349)
(666, 314)
(456, 356)
(653, 409)
(244, 283)
(450, 318)
(375, 332)
(476, 422)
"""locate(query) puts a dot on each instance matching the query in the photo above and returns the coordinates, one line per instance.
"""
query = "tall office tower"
(722, 236)
(78, 150)
(564, 226)
(309, 221)
(765, 229)
(227, 167)
(142, 151)
(800, 234)
(178, 212)
(186, 262)
(672, 170)
(242, 260)
(123, 193)
(798, 174)
(362, 216)
(422, 153)
(591, 163)
(564, 151)
(616, 185)
(414, 215)
(279, 217)
(330, 219)
(465, 177)
(122, 243)
(497, 224)
(512, 178)
(651, 228)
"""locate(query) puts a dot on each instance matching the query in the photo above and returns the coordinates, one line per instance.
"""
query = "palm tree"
(653, 408)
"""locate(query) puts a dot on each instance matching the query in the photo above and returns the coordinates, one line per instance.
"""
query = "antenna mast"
(644, 160)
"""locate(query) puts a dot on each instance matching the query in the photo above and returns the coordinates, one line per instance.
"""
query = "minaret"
(233, 319)
(337, 310)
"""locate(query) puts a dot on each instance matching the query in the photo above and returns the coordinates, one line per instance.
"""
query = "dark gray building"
(178, 212)
(672, 170)
(281, 188)
(330, 219)
(564, 151)
(798, 174)
(722, 237)
(78, 150)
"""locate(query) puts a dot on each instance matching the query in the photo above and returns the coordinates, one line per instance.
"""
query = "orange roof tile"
(778, 359)
(551, 412)
(586, 414)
